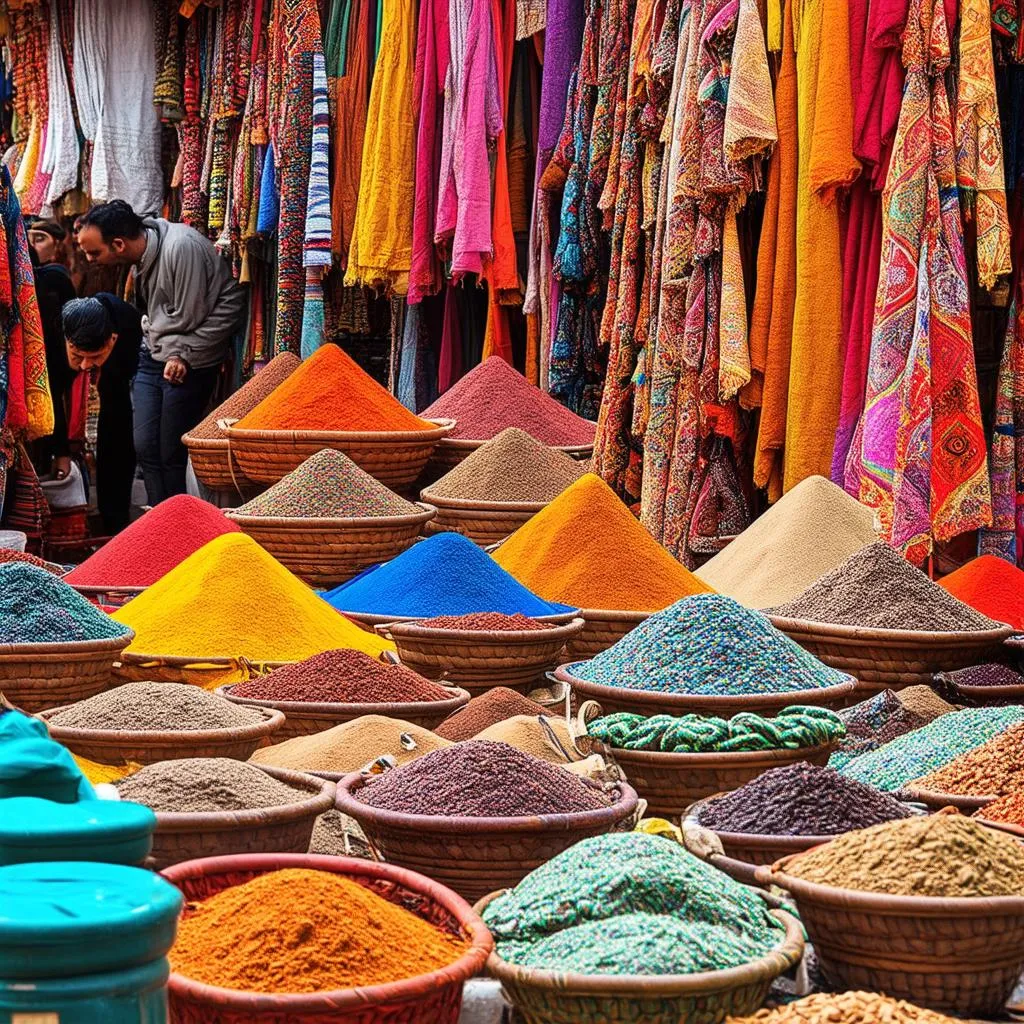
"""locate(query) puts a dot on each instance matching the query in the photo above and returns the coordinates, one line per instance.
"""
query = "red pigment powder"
(342, 677)
(992, 586)
(153, 545)
(484, 621)
(494, 396)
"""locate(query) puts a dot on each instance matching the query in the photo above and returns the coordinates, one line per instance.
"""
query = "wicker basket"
(395, 457)
(114, 746)
(650, 702)
(671, 782)
(286, 828)
(982, 696)
(475, 856)
(603, 629)
(483, 522)
(34, 677)
(450, 451)
(890, 659)
(434, 998)
(209, 673)
(326, 552)
(555, 997)
(304, 718)
(110, 597)
(961, 956)
(377, 623)
(937, 800)
(212, 463)
(482, 659)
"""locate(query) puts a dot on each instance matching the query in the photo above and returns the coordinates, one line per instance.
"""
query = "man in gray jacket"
(191, 307)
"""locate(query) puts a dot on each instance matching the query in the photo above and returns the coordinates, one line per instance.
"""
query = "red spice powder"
(330, 391)
(484, 620)
(992, 586)
(153, 545)
(494, 396)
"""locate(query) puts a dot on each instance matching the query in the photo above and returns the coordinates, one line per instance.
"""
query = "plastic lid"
(33, 821)
(70, 901)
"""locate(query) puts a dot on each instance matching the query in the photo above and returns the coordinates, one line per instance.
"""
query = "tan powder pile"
(944, 854)
(846, 1008)
(810, 531)
(351, 745)
(924, 701)
(543, 737)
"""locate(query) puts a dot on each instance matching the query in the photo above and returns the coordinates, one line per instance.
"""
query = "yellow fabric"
(30, 160)
(733, 346)
(774, 25)
(98, 773)
(750, 127)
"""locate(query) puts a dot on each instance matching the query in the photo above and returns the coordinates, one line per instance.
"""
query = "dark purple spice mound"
(801, 800)
(481, 779)
(991, 674)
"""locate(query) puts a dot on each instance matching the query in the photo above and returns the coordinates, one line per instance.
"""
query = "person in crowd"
(191, 309)
(103, 336)
(48, 240)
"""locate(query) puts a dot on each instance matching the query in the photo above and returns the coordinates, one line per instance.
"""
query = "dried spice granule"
(330, 391)
(992, 586)
(537, 735)
(924, 701)
(871, 723)
(7, 555)
(846, 1008)
(989, 674)
(993, 769)
(488, 708)
(301, 930)
(943, 854)
(484, 621)
(327, 485)
(1008, 809)
(708, 644)
(342, 676)
(493, 396)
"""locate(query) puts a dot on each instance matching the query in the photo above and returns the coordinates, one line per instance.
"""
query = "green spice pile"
(793, 728)
(993, 769)
(917, 753)
(942, 854)
(328, 485)
(708, 644)
(630, 903)
(511, 467)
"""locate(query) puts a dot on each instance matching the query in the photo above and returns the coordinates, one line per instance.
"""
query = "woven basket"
(434, 998)
(671, 782)
(983, 696)
(110, 597)
(205, 672)
(34, 677)
(376, 623)
(603, 629)
(649, 702)
(326, 552)
(483, 522)
(961, 956)
(479, 660)
(890, 659)
(556, 997)
(304, 718)
(395, 457)
(287, 828)
(114, 746)
(475, 856)
(1017, 831)
(450, 451)
(212, 463)
(937, 800)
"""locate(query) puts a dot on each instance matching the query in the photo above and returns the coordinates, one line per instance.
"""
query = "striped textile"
(317, 247)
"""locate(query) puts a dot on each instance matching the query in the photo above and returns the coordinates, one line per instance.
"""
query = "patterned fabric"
(317, 247)
(60, 158)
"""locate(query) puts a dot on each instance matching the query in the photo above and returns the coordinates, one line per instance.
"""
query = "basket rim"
(715, 758)
(414, 631)
(272, 721)
(88, 590)
(466, 966)
(312, 523)
(455, 825)
(936, 798)
(373, 620)
(615, 615)
(285, 437)
(1002, 826)
(15, 652)
(469, 444)
(788, 952)
(740, 702)
(208, 443)
(1010, 690)
(195, 662)
(392, 709)
(221, 821)
(480, 505)
(872, 635)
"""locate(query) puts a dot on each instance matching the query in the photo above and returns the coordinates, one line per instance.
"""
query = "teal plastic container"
(32, 829)
(70, 918)
(135, 996)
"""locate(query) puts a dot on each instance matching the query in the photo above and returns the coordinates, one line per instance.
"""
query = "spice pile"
(204, 784)
(342, 677)
(155, 707)
(443, 575)
(807, 533)
(537, 735)
(588, 550)
(989, 674)
(917, 753)
(248, 396)
(38, 608)
(7, 555)
(630, 903)
(300, 930)
(153, 545)
(793, 728)
(478, 779)
(708, 644)
(328, 485)
(846, 1008)
(1008, 809)
(995, 768)
(484, 621)
(878, 587)
(872, 722)
(991, 586)
(800, 800)
(941, 854)
(481, 712)
(351, 746)
(924, 701)
(511, 467)
(328, 392)
(493, 396)
(205, 608)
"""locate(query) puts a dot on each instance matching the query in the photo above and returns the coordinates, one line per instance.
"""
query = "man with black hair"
(103, 336)
(191, 307)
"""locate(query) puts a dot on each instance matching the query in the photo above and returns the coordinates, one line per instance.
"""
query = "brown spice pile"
(993, 769)
(846, 1008)
(481, 712)
(247, 397)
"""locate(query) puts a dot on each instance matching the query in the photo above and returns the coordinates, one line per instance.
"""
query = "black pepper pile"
(990, 674)
(801, 800)
(481, 779)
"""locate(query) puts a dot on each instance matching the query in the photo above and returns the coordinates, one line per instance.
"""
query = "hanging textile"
(60, 158)
(316, 255)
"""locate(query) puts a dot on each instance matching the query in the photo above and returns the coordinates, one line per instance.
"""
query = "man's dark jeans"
(163, 412)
